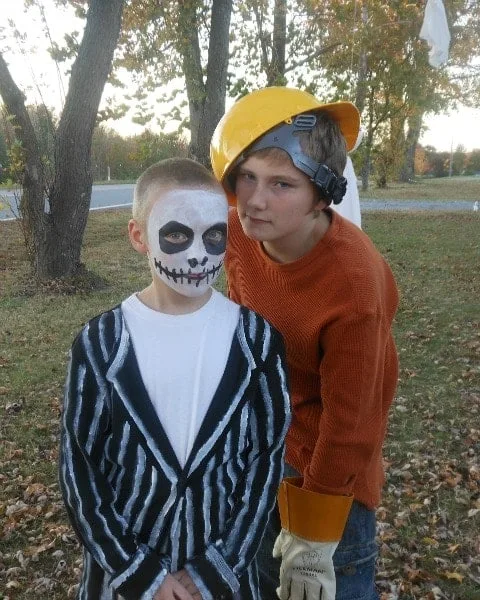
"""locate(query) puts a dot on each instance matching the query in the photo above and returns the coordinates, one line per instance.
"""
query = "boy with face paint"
(320, 281)
(176, 410)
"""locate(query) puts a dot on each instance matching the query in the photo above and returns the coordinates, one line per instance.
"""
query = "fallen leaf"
(430, 541)
(456, 576)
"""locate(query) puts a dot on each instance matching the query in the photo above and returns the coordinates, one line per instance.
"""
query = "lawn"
(429, 520)
(440, 188)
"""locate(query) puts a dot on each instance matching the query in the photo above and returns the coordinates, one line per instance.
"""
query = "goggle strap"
(284, 137)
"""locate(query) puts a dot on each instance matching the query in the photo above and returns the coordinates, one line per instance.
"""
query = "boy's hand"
(172, 589)
(184, 578)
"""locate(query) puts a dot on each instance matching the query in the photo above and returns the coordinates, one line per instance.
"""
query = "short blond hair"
(169, 174)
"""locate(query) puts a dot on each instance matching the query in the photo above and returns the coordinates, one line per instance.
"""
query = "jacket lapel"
(124, 375)
(231, 394)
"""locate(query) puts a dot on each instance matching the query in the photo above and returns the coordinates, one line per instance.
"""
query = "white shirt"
(181, 360)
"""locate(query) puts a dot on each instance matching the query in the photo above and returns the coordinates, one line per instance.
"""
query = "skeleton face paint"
(187, 237)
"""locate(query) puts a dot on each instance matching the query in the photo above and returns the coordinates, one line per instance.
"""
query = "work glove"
(312, 526)
(307, 571)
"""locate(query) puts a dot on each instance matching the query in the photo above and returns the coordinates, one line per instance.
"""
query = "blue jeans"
(354, 558)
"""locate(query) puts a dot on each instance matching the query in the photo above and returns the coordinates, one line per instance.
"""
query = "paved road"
(103, 196)
(367, 204)
(114, 196)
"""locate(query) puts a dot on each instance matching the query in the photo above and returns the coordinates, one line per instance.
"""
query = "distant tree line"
(113, 156)
(432, 163)
(124, 158)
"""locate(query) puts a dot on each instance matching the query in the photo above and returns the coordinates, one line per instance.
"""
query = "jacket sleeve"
(135, 570)
(359, 375)
(216, 572)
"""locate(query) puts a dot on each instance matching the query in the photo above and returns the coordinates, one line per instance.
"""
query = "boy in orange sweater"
(320, 281)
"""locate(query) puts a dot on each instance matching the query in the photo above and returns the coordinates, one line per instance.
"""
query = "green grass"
(429, 517)
(441, 188)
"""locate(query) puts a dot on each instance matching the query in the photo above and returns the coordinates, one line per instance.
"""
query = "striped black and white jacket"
(138, 514)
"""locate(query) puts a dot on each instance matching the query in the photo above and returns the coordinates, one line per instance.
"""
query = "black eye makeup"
(175, 237)
(215, 239)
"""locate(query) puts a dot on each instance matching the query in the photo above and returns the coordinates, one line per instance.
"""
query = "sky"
(449, 130)
(34, 72)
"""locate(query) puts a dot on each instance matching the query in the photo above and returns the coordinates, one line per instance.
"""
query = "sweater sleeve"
(135, 570)
(218, 569)
(353, 422)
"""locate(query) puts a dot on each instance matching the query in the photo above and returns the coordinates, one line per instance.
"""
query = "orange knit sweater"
(334, 307)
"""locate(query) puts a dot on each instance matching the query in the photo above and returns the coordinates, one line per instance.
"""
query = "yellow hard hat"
(258, 112)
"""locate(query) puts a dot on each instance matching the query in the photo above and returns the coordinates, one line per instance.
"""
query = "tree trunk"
(33, 181)
(189, 48)
(361, 92)
(206, 99)
(407, 172)
(217, 70)
(276, 71)
(389, 158)
(272, 46)
(58, 219)
(367, 162)
(71, 192)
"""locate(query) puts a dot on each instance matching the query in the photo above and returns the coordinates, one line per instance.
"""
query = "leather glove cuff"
(310, 515)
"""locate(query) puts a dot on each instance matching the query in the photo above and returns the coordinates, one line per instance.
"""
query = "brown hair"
(167, 174)
(325, 144)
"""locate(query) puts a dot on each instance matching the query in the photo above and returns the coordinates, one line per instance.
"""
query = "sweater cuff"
(142, 576)
(212, 575)
(310, 515)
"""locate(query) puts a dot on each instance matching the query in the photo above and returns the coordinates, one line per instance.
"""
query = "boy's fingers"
(181, 575)
(184, 578)
(171, 589)
(180, 593)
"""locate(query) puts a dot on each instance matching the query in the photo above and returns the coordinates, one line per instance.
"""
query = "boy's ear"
(138, 236)
(322, 204)
(319, 205)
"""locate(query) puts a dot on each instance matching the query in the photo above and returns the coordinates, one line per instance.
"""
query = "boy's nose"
(258, 198)
(193, 262)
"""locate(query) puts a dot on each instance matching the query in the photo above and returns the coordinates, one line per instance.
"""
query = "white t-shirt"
(182, 359)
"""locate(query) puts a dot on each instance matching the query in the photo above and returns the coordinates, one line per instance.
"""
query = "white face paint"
(187, 237)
